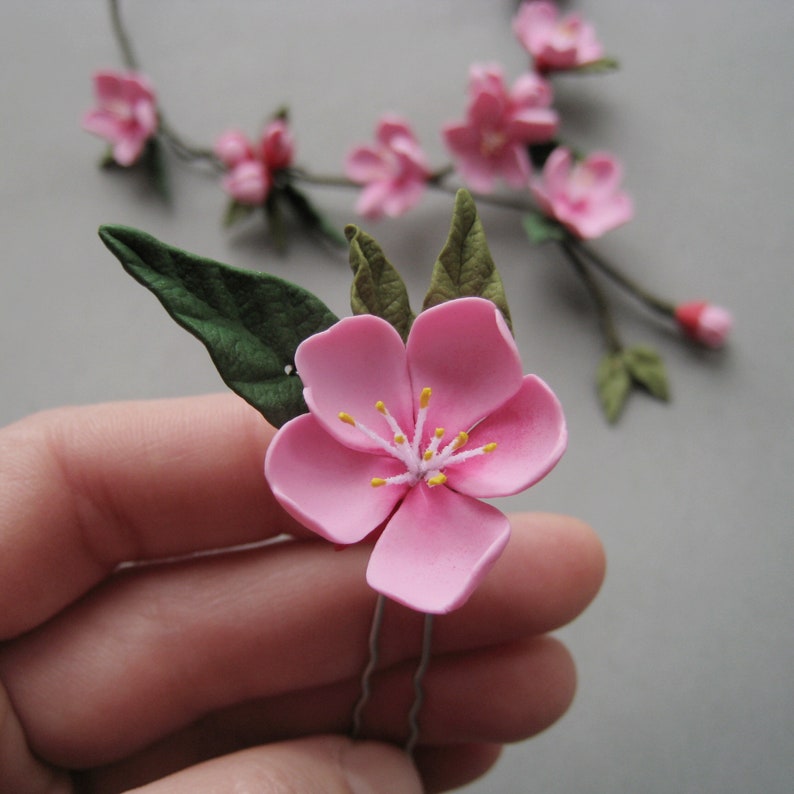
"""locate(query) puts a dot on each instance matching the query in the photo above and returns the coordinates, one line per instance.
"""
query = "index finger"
(83, 489)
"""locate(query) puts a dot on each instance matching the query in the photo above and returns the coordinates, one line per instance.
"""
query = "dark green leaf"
(251, 323)
(464, 267)
(236, 211)
(541, 229)
(614, 384)
(377, 287)
(154, 162)
(275, 222)
(310, 216)
(646, 367)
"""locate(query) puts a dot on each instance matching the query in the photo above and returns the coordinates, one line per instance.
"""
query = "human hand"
(238, 671)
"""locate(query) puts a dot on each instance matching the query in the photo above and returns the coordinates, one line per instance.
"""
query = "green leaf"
(464, 267)
(154, 162)
(275, 221)
(377, 287)
(605, 64)
(236, 211)
(309, 215)
(613, 381)
(646, 367)
(541, 229)
(251, 323)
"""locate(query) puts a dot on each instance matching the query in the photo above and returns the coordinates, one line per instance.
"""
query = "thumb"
(315, 765)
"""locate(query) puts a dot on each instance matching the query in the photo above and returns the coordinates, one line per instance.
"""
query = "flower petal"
(530, 433)
(464, 352)
(364, 164)
(349, 368)
(436, 549)
(327, 486)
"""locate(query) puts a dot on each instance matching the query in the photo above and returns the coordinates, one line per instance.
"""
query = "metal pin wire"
(366, 676)
(419, 695)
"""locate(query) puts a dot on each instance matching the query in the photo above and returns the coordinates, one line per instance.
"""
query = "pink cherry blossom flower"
(705, 323)
(394, 171)
(251, 168)
(555, 42)
(492, 140)
(248, 182)
(413, 436)
(584, 197)
(126, 113)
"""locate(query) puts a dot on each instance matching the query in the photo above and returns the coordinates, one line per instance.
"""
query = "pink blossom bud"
(705, 323)
(232, 148)
(553, 41)
(278, 145)
(248, 182)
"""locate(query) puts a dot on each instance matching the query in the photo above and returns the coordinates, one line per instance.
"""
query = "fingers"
(157, 650)
(82, 489)
(322, 765)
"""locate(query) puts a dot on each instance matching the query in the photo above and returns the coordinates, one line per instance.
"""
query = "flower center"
(492, 142)
(422, 462)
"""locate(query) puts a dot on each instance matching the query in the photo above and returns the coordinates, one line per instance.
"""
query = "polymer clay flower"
(705, 323)
(394, 171)
(585, 197)
(126, 113)
(555, 42)
(492, 140)
(413, 436)
(251, 168)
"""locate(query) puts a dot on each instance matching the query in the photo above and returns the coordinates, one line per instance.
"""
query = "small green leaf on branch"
(251, 323)
(236, 211)
(646, 367)
(309, 215)
(377, 286)
(542, 229)
(613, 381)
(605, 64)
(464, 267)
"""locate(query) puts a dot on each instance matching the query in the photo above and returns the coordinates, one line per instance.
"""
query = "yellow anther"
(428, 454)
(380, 406)
(460, 440)
(399, 439)
(347, 419)
(439, 432)
(376, 482)
(489, 447)
(424, 397)
(439, 479)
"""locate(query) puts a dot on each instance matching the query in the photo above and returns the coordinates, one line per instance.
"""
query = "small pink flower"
(555, 42)
(499, 124)
(278, 145)
(584, 197)
(710, 325)
(232, 148)
(248, 182)
(126, 113)
(251, 168)
(412, 436)
(394, 171)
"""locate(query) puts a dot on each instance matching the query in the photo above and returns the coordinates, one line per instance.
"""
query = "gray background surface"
(686, 658)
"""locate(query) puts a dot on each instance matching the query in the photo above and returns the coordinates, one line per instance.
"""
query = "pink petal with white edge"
(530, 436)
(327, 486)
(464, 352)
(348, 369)
(437, 549)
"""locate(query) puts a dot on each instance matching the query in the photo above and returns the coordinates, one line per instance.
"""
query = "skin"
(237, 671)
